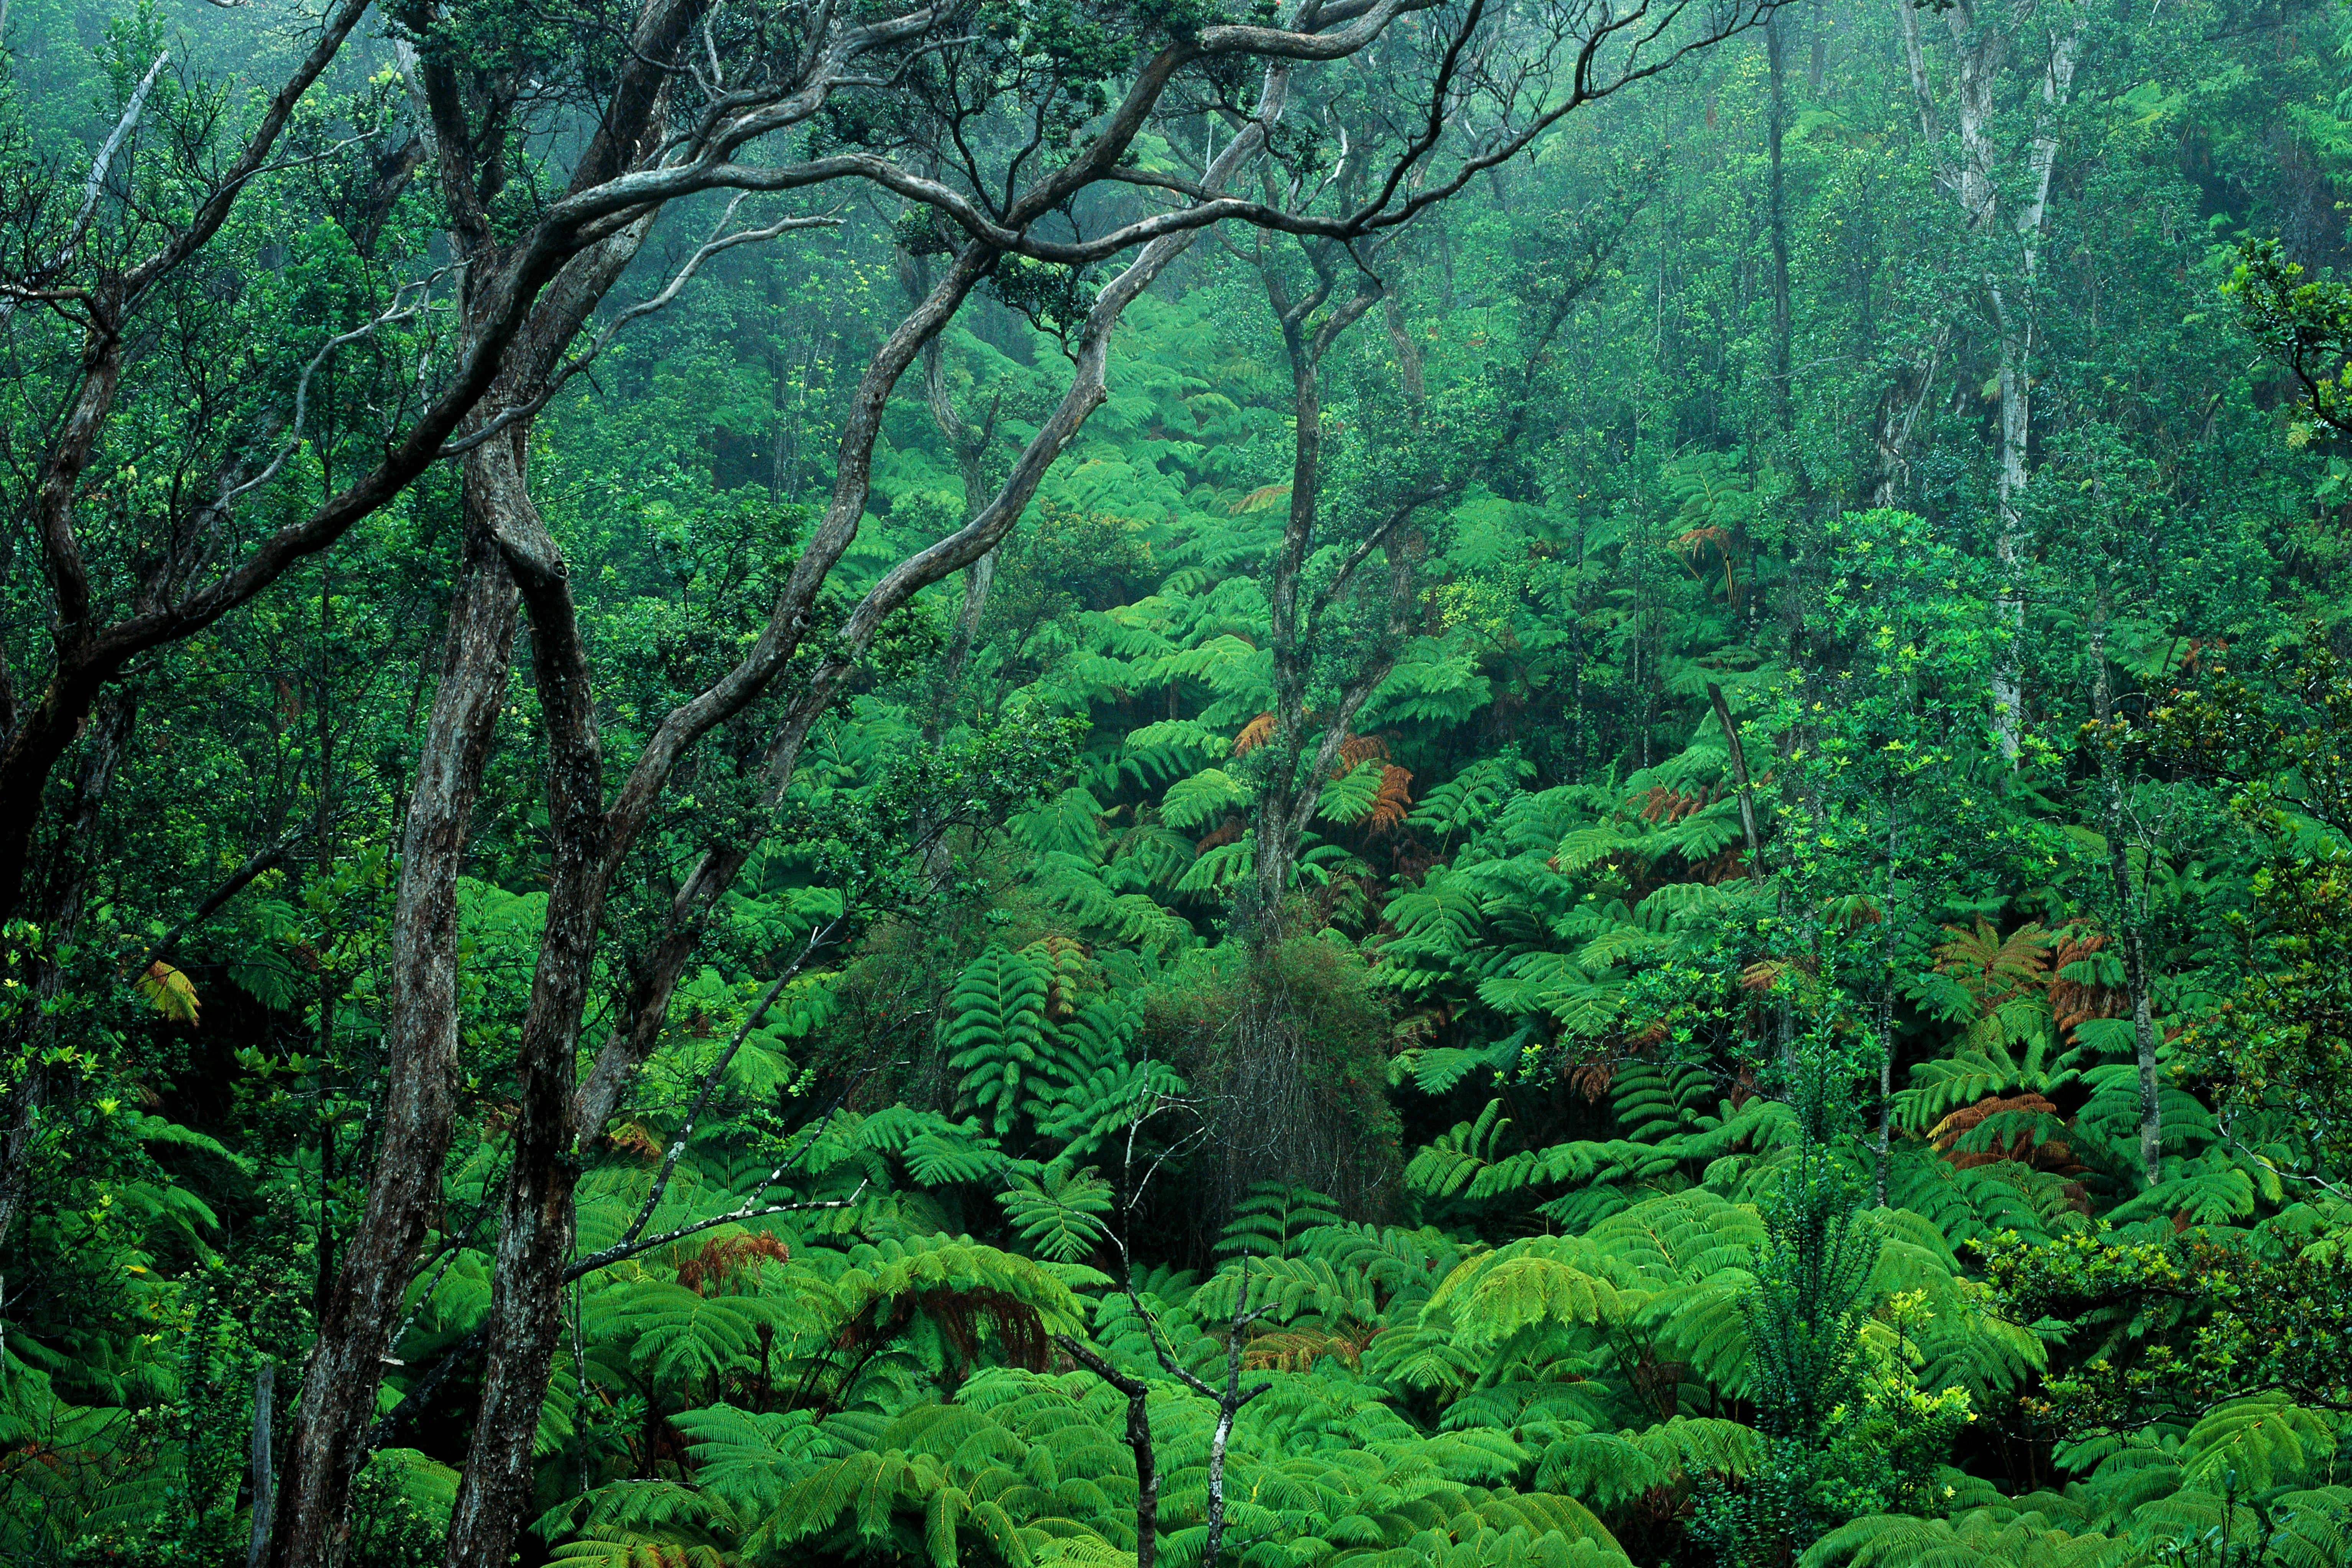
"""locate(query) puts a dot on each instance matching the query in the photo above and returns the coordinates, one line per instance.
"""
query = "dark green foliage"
(1686, 1109)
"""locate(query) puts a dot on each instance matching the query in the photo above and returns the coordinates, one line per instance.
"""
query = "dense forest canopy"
(1344, 782)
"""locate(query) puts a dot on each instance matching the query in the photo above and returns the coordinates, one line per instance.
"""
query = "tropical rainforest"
(1164, 784)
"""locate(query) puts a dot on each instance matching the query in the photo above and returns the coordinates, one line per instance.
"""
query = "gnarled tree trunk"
(327, 1447)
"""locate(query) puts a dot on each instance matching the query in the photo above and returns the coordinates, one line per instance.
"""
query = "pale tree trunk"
(1886, 1091)
(968, 444)
(1139, 1443)
(1783, 320)
(1231, 1401)
(1981, 50)
(1286, 798)
(2015, 320)
(1904, 400)
(2009, 545)
(264, 1482)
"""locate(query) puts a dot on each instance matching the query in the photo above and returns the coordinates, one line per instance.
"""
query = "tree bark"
(1981, 53)
(1739, 757)
(1138, 1442)
(1885, 1151)
(265, 1492)
(1231, 1400)
(2151, 1106)
(346, 1364)
(365, 1306)
(655, 974)
(968, 444)
(42, 735)
(84, 663)
(1286, 797)
(535, 1231)
(536, 1220)
(1409, 368)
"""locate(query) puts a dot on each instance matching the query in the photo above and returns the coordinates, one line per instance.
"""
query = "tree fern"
(1271, 1220)
(1057, 1210)
(995, 1028)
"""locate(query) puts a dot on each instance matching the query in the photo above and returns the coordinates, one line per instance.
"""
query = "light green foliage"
(1058, 1212)
(999, 1028)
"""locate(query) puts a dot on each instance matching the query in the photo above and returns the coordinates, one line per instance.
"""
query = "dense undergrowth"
(1802, 1007)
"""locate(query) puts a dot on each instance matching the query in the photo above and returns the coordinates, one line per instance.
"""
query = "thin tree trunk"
(979, 578)
(1138, 1442)
(1783, 350)
(589, 842)
(1231, 1399)
(1408, 353)
(2009, 545)
(1981, 50)
(968, 443)
(2151, 1107)
(265, 1492)
(1739, 777)
(1280, 819)
(657, 973)
(2128, 927)
(2015, 319)
(1885, 1088)
(1277, 797)
(1886, 1004)
(41, 736)
(87, 657)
